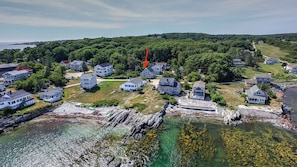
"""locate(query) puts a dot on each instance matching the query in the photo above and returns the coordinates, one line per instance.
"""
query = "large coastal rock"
(232, 117)
(138, 123)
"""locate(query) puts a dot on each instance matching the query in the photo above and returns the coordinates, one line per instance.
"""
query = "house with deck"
(148, 73)
(18, 99)
(169, 86)
(159, 67)
(271, 60)
(88, 81)
(103, 70)
(51, 95)
(11, 76)
(292, 68)
(77, 65)
(198, 91)
(256, 95)
(133, 84)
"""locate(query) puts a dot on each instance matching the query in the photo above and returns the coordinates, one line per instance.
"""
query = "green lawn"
(229, 92)
(149, 102)
(271, 51)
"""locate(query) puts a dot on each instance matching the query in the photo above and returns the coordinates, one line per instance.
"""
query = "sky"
(44, 20)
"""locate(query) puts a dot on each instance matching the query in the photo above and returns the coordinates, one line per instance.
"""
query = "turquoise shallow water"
(47, 143)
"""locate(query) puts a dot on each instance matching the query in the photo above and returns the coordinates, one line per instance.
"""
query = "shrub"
(139, 106)
(112, 102)
(8, 111)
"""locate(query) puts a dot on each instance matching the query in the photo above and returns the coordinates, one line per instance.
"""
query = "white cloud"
(53, 22)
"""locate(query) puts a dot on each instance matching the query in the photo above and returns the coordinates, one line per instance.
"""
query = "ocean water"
(290, 99)
(5, 45)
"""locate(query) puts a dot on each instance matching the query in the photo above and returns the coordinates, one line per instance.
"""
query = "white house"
(77, 65)
(271, 60)
(51, 95)
(256, 95)
(88, 81)
(16, 100)
(198, 91)
(292, 68)
(11, 76)
(103, 70)
(133, 84)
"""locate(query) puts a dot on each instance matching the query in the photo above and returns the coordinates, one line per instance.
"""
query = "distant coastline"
(16, 45)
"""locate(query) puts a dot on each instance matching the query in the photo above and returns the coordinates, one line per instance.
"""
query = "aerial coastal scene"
(170, 83)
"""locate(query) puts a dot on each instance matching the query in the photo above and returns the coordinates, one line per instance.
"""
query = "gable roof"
(65, 61)
(77, 62)
(105, 64)
(167, 81)
(251, 92)
(16, 72)
(199, 84)
(51, 92)
(136, 81)
(262, 76)
(10, 65)
(87, 76)
(14, 95)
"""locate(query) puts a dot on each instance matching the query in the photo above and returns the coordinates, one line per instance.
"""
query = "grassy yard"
(229, 92)
(148, 102)
(271, 51)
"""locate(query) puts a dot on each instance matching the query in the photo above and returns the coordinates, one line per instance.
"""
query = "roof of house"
(262, 76)
(52, 91)
(149, 69)
(105, 64)
(23, 68)
(236, 60)
(10, 65)
(291, 65)
(169, 81)
(251, 92)
(87, 76)
(160, 63)
(14, 95)
(16, 72)
(136, 81)
(251, 81)
(199, 84)
(65, 61)
(272, 59)
(77, 62)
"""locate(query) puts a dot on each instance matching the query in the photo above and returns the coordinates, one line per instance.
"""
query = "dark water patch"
(290, 99)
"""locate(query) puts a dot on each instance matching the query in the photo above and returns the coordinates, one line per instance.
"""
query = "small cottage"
(65, 63)
(133, 84)
(271, 60)
(198, 91)
(238, 63)
(263, 78)
(51, 95)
